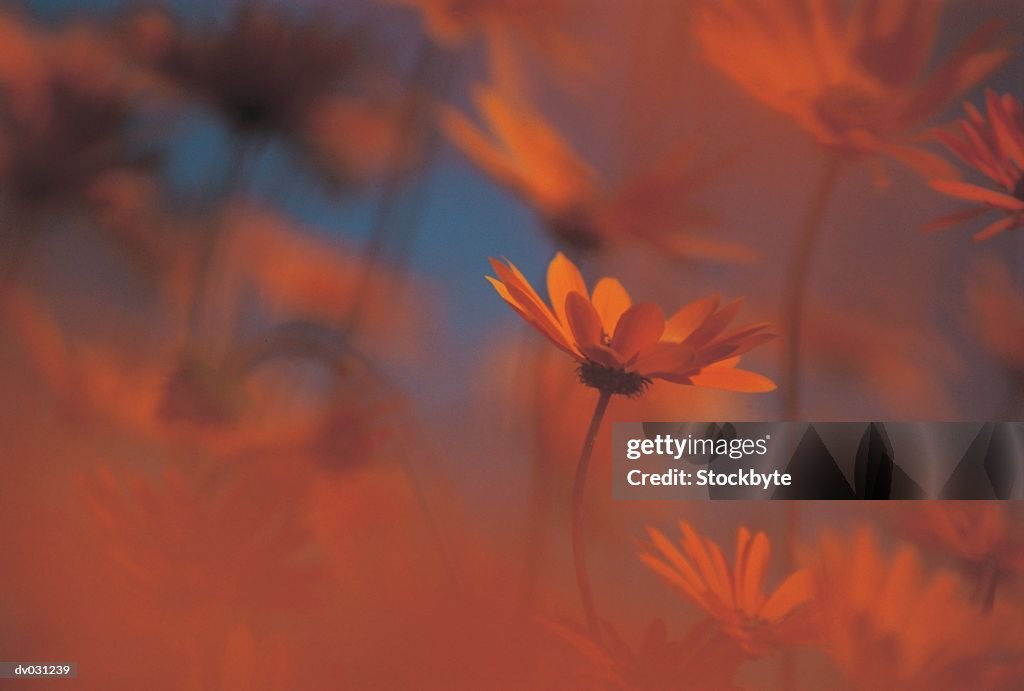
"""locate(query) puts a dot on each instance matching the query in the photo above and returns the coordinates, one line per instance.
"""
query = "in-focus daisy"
(735, 597)
(992, 144)
(621, 346)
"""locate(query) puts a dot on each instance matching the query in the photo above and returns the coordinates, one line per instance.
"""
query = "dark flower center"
(575, 229)
(252, 114)
(1018, 189)
(844, 107)
(613, 380)
(201, 393)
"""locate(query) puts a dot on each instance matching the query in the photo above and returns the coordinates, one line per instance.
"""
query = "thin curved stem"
(578, 547)
(15, 244)
(415, 126)
(793, 298)
(210, 243)
(795, 290)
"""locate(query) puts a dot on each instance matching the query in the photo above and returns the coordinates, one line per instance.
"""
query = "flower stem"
(795, 289)
(793, 295)
(578, 549)
(985, 589)
(15, 243)
(430, 77)
(210, 244)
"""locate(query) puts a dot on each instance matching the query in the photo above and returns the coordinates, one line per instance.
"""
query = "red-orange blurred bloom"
(735, 598)
(976, 534)
(906, 366)
(704, 659)
(995, 147)
(857, 81)
(267, 73)
(66, 116)
(997, 307)
(526, 154)
(540, 24)
(202, 536)
(889, 626)
(621, 346)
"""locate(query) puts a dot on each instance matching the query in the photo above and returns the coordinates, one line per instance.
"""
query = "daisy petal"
(748, 589)
(583, 320)
(639, 328)
(952, 219)
(1000, 226)
(665, 359)
(794, 591)
(563, 278)
(685, 321)
(965, 190)
(732, 379)
(610, 300)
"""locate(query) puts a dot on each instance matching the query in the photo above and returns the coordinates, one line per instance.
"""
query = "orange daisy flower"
(621, 347)
(270, 73)
(888, 625)
(734, 599)
(66, 123)
(540, 24)
(997, 306)
(202, 535)
(704, 658)
(995, 147)
(855, 81)
(524, 153)
(976, 534)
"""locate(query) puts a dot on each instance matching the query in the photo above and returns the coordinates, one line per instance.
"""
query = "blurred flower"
(205, 536)
(199, 391)
(540, 24)
(855, 80)
(700, 660)
(234, 403)
(244, 661)
(266, 75)
(66, 125)
(995, 147)
(526, 154)
(735, 599)
(997, 307)
(975, 534)
(299, 273)
(906, 366)
(620, 346)
(887, 625)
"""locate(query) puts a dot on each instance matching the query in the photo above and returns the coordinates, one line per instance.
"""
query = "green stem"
(578, 547)
(795, 289)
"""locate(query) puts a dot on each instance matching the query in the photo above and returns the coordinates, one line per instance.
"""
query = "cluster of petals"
(734, 597)
(606, 331)
(992, 144)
